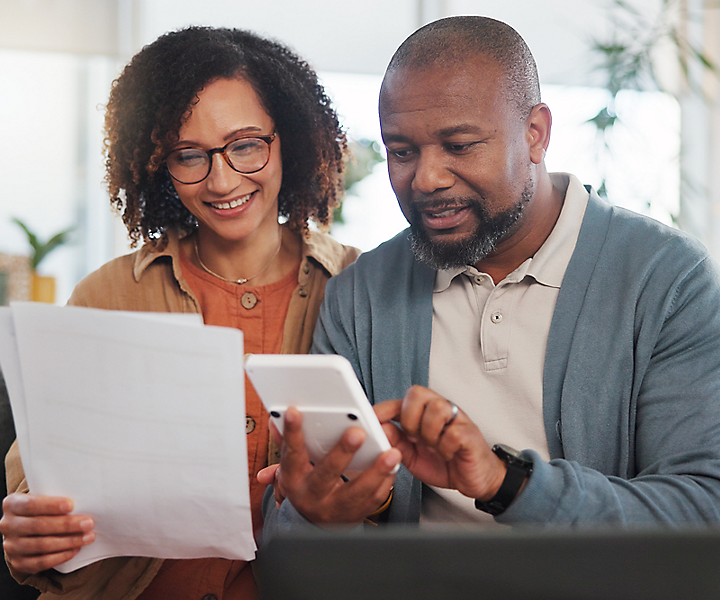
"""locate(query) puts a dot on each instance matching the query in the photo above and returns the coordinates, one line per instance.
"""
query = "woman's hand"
(40, 533)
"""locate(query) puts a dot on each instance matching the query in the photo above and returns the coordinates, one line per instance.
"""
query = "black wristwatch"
(518, 470)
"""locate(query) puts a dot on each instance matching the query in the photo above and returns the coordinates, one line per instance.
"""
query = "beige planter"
(43, 289)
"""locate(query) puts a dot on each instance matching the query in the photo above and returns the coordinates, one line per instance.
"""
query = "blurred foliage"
(363, 156)
(626, 58)
(41, 249)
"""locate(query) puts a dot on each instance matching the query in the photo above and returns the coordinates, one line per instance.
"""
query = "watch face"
(507, 450)
(511, 456)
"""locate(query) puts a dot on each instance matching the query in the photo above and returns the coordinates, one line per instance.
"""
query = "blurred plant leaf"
(363, 155)
(604, 119)
(626, 57)
(39, 249)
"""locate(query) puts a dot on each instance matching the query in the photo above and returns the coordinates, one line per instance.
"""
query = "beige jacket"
(151, 280)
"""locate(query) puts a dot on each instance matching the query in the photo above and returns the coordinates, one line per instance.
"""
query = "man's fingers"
(278, 494)
(425, 414)
(413, 408)
(372, 486)
(393, 433)
(438, 412)
(381, 472)
(351, 441)
(329, 471)
(399, 440)
(389, 460)
(319, 491)
(388, 410)
(294, 453)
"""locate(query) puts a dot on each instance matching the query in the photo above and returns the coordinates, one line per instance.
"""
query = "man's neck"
(537, 223)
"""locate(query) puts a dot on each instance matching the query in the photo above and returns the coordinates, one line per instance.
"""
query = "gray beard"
(489, 233)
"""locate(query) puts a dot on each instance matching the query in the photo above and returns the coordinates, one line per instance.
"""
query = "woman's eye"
(189, 158)
(246, 146)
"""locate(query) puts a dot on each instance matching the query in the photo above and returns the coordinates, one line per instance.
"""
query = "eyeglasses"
(246, 155)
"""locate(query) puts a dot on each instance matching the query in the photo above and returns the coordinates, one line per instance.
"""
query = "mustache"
(438, 204)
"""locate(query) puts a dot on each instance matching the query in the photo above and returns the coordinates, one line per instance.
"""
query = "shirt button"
(306, 268)
(496, 317)
(479, 279)
(209, 597)
(302, 292)
(248, 300)
(249, 424)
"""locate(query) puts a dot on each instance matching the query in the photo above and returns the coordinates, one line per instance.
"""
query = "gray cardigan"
(631, 385)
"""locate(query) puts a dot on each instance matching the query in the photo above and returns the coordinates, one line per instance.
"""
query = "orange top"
(259, 312)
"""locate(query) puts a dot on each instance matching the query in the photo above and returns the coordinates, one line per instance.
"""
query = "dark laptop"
(528, 564)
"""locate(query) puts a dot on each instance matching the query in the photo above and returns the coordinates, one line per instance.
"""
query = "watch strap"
(509, 489)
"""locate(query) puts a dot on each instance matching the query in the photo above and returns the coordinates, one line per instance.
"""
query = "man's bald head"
(451, 41)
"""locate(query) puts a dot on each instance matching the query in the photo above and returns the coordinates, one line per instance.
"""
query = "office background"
(59, 57)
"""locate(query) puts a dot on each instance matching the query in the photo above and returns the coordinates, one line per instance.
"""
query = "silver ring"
(453, 415)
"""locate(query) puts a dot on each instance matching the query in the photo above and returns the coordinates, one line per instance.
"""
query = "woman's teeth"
(232, 204)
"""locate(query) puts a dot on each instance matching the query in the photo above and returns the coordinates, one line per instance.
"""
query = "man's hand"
(319, 492)
(40, 533)
(438, 449)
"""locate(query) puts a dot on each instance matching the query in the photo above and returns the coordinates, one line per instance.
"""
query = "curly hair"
(154, 95)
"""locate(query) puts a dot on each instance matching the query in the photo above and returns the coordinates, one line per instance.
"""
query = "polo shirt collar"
(548, 265)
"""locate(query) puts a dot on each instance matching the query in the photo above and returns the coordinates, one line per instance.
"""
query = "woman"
(212, 136)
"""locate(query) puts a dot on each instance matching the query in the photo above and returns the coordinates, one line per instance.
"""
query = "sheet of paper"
(10, 363)
(142, 422)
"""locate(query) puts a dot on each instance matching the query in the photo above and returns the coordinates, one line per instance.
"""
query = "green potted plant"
(43, 288)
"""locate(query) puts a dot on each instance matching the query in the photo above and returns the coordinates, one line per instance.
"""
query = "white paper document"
(140, 419)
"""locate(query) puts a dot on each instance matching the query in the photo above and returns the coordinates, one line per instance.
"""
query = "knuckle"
(46, 545)
(12, 503)
(413, 392)
(47, 526)
(48, 561)
(35, 527)
(452, 436)
(8, 547)
(18, 564)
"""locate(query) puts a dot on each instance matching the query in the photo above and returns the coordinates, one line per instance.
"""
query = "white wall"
(50, 161)
(360, 37)
(56, 100)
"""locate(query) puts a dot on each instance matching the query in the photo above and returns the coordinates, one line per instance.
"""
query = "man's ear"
(538, 126)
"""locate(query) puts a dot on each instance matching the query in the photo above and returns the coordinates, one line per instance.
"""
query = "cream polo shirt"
(488, 345)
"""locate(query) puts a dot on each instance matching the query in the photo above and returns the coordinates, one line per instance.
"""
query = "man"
(584, 334)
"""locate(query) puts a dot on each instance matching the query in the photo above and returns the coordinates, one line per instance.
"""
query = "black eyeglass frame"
(268, 139)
